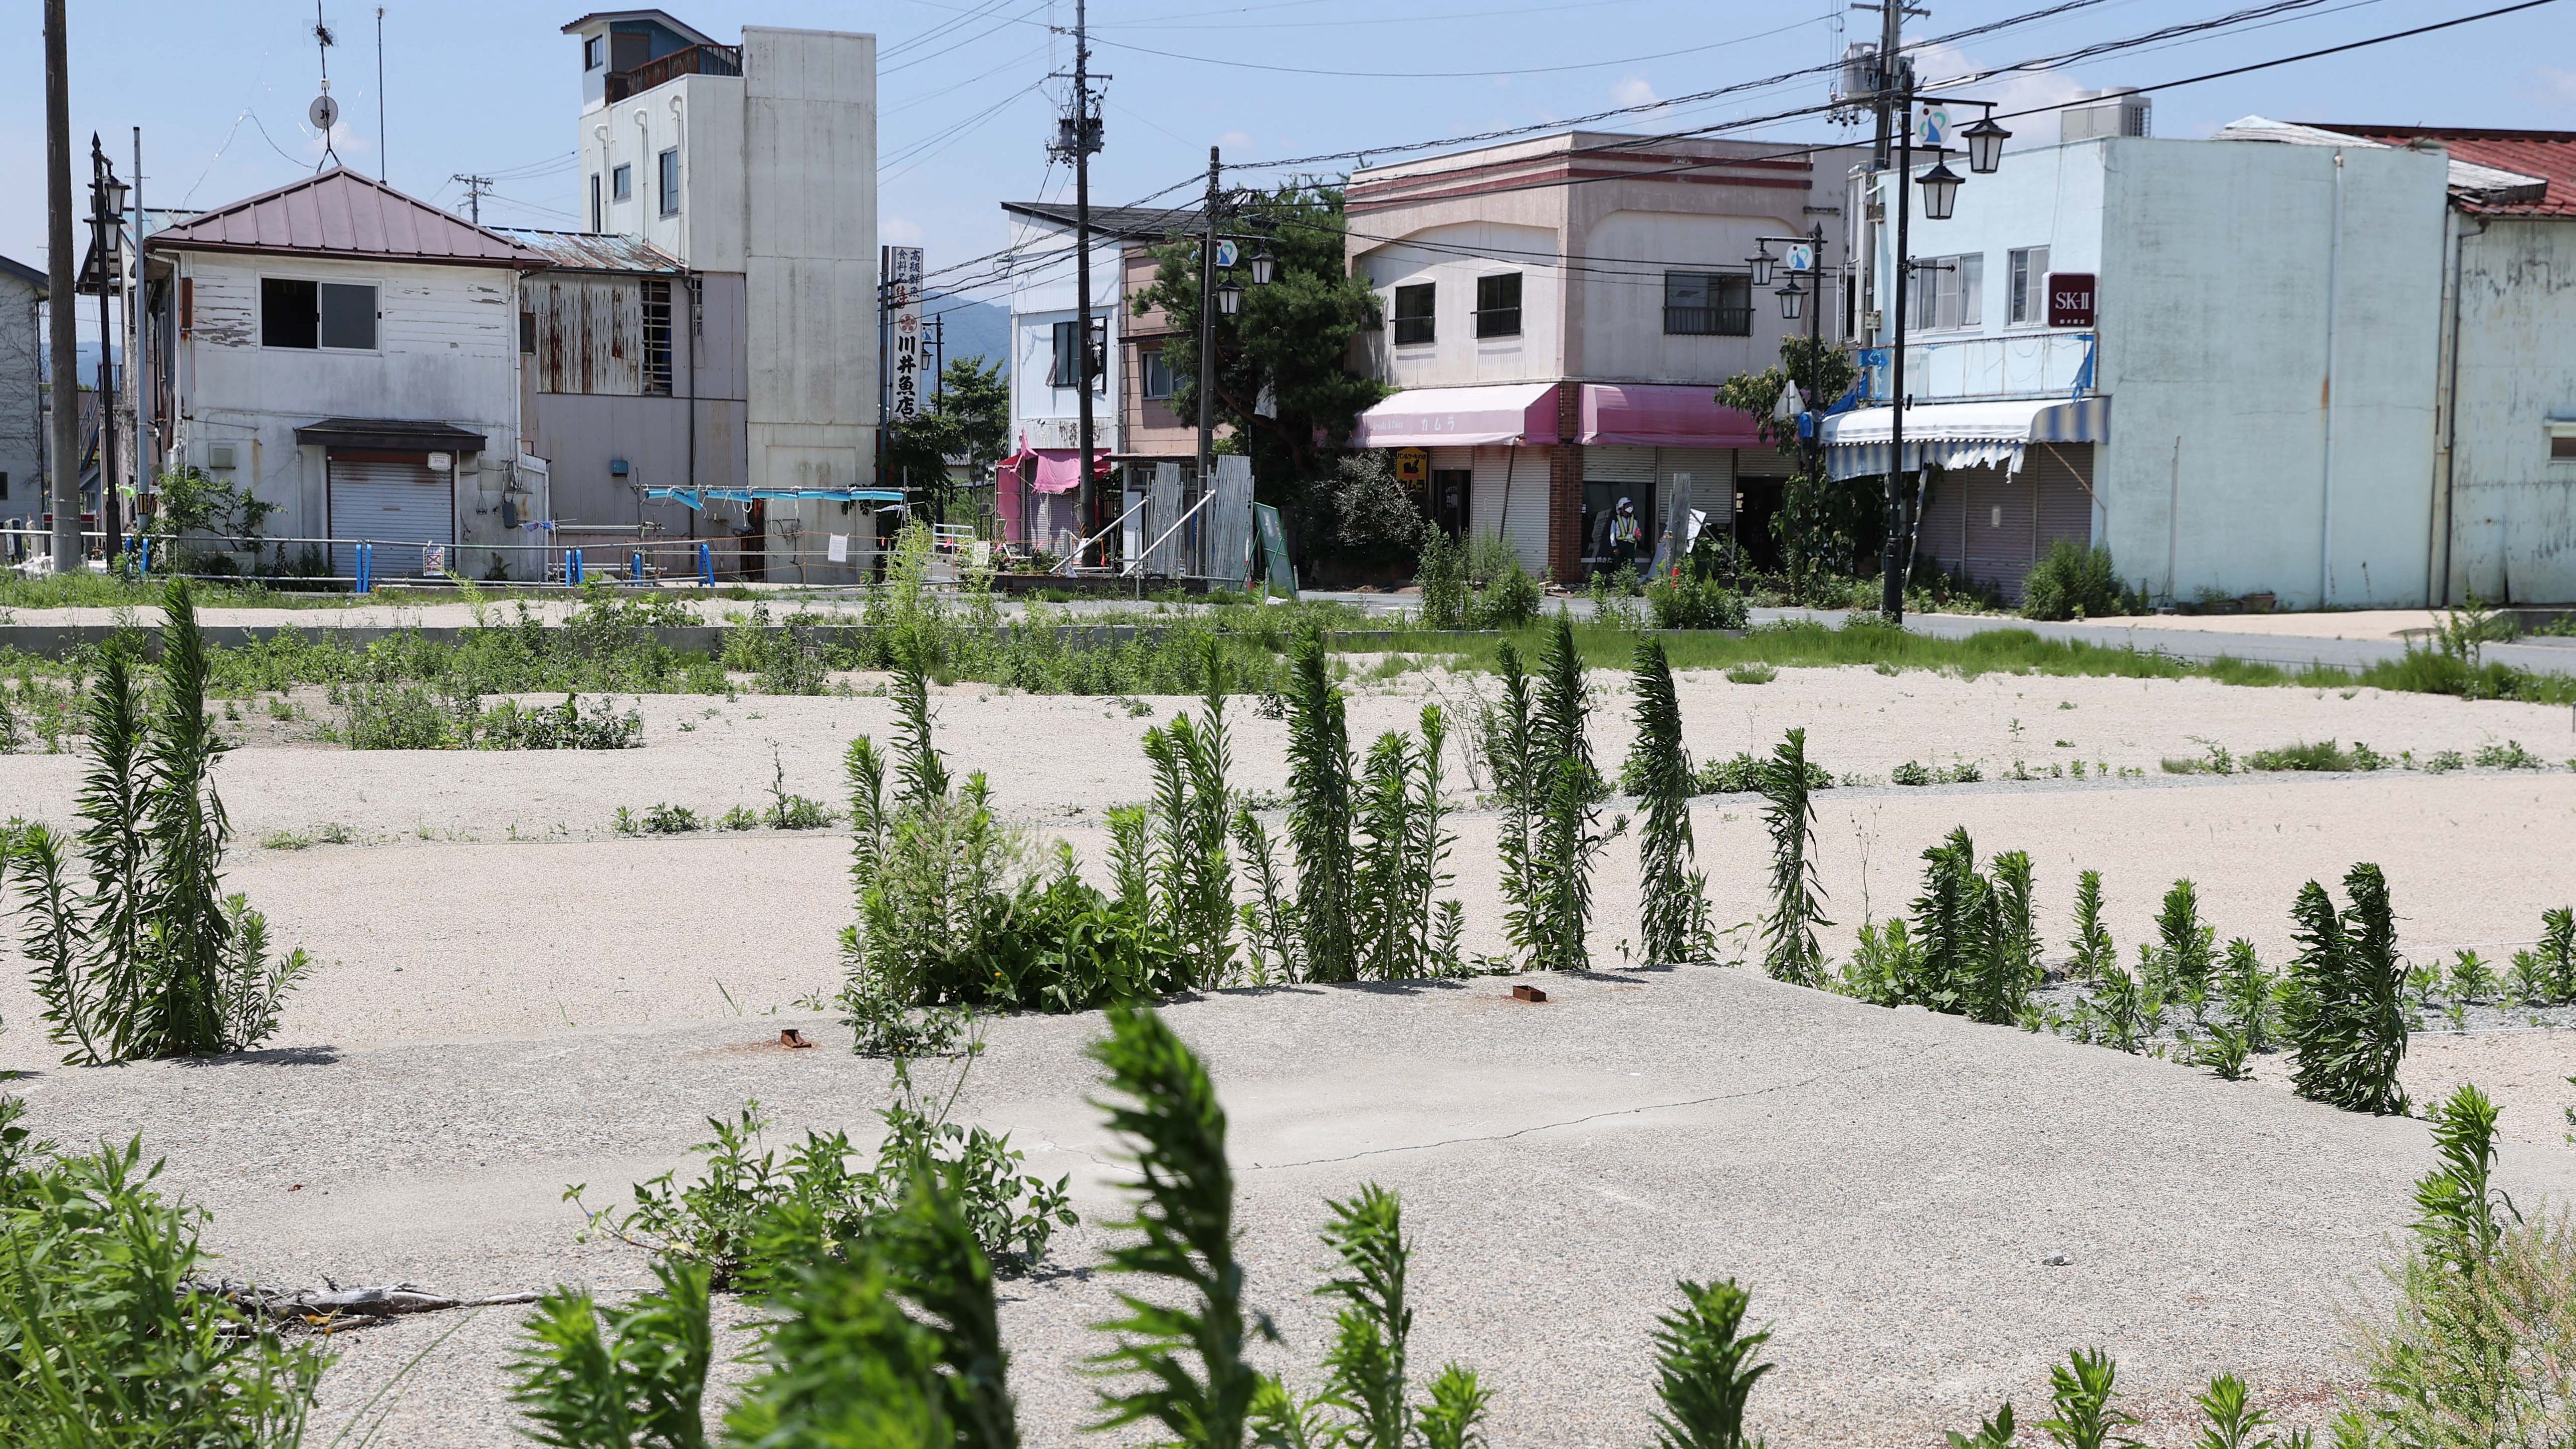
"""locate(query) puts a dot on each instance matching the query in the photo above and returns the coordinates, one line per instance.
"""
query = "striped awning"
(1960, 434)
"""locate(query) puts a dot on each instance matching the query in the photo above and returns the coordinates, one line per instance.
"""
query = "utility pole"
(138, 322)
(1893, 105)
(1207, 328)
(384, 167)
(476, 188)
(102, 229)
(1079, 135)
(63, 340)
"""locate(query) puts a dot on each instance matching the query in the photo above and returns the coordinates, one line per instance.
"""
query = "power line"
(1344, 71)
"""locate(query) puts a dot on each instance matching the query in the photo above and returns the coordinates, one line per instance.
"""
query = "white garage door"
(397, 504)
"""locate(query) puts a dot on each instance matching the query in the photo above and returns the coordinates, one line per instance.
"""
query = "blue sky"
(220, 86)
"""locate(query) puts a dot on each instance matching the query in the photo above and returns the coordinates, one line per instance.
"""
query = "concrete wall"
(2270, 326)
(21, 445)
(809, 193)
(2512, 534)
(1620, 333)
(701, 116)
(447, 351)
(1452, 257)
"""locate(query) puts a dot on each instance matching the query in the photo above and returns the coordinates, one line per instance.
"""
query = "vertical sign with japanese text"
(905, 352)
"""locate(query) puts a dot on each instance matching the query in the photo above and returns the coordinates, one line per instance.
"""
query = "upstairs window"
(1065, 369)
(2028, 270)
(1498, 305)
(667, 182)
(1413, 307)
(1157, 374)
(621, 184)
(594, 53)
(1947, 293)
(1708, 304)
(304, 315)
(594, 202)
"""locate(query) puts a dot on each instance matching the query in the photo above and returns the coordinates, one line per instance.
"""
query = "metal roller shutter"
(1621, 464)
(1938, 531)
(1712, 477)
(2061, 471)
(1510, 494)
(2002, 524)
(1452, 459)
(399, 505)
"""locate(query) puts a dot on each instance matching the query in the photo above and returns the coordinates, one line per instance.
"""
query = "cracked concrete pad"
(1890, 1185)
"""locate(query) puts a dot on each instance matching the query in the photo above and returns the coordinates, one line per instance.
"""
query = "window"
(1947, 292)
(594, 53)
(1498, 305)
(4, 485)
(621, 184)
(594, 202)
(528, 331)
(306, 315)
(1708, 304)
(1157, 373)
(1064, 369)
(1413, 313)
(657, 336)
(2029, 285)
(2562, 447)
(667, 182)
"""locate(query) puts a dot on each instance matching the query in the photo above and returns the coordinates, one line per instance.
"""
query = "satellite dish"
(324, 113)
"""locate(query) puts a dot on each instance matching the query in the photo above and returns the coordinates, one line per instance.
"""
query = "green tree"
(1282, 374)
(1822, 524)
(969, 418)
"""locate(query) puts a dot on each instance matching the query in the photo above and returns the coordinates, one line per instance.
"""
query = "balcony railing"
(694, 60)
(2025, 365)
(1708, 321)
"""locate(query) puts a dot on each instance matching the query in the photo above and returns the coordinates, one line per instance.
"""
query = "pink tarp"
(1058, 472)
(1448, 417)
(1661, 415)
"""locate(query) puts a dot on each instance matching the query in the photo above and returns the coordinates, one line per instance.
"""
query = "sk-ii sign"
(2070, 299)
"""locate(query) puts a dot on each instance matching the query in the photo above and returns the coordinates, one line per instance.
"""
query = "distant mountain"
(974, 329)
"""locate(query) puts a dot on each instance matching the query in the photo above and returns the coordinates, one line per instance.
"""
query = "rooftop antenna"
(384, 166)
(324, 113)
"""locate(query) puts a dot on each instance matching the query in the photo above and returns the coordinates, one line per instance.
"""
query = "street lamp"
(1263, 265)
(1760, 262)
(1940, 191)
(1985, 144)
(1793, 299)
(1229, 298)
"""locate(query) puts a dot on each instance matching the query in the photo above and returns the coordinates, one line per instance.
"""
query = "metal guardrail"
(362, 564)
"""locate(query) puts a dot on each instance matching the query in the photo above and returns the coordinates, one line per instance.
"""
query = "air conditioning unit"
(221, 458)
(2105, 113)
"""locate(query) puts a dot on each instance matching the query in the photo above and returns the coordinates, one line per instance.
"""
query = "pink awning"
(1457, 417)
(1663, 415)
(1059, 472)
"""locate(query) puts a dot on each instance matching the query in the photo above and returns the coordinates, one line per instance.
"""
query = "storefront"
(1998, 482)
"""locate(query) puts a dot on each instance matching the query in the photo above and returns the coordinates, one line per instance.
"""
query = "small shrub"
(1708, 1364)
(1790, 952)
(2443, 762)
(1682, 599)
(397, 716)
(2323, 755)
(1673, 922)
(2083, 1388)
(2545, 974)
(1910, 773)
(564, 726)
(2507, 756)
(1752, 674)
(2075, 582)
(789, 811)
(2215, 760)
(740, 817)
(153, 959)
(2345, 1015)
(750, 1215)
(2093, 951)
(670, 820)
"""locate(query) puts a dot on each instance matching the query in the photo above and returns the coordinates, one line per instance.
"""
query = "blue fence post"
(635, 567)
(706, 565)
(358, 566)
(143, 558)
(572, 565)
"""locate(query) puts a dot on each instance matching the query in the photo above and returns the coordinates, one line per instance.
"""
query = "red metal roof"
(341, 213)
(2550, 155)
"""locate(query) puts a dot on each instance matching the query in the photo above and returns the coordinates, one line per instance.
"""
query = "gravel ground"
(574, 1003)
(1888, 1184)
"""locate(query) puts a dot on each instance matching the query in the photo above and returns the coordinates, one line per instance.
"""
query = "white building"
(349, 356)
(2256, 402)
(1560, 312)
(753, 168)
(22, 449)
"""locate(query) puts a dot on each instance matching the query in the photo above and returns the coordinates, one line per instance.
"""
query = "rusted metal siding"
(590, 334)
(2512, 526)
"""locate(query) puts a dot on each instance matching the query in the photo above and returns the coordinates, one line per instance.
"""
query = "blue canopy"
(697, 497)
